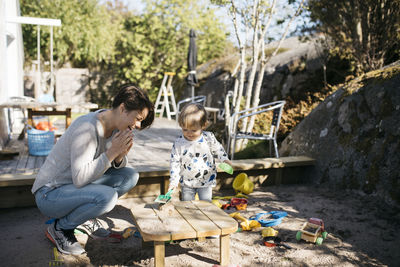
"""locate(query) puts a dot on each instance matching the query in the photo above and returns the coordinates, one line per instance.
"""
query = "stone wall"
(354, 135)
(288, 73)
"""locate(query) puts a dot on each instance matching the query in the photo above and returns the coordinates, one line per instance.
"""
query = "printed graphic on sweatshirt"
(193, 162)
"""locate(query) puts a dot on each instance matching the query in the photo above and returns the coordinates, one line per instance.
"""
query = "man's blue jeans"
(74, 206)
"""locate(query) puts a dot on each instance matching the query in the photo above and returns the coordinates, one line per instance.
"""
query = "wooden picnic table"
(187, 219)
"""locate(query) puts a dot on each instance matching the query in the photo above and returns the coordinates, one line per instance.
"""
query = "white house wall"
(3, 48)
(3, 124)
(15, 52)
(11, 63)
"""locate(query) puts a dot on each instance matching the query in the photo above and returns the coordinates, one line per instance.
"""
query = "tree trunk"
(260, 29)
(264, 61)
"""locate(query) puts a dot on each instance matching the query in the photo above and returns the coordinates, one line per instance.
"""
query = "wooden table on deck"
(41, 109)
(188, 219)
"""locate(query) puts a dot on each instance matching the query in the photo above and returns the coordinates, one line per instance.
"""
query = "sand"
(362, 231)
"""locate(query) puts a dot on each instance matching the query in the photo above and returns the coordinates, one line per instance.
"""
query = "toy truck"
(312, 231)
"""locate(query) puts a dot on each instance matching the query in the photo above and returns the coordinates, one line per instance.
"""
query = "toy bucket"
(243, 184)
(40, 142)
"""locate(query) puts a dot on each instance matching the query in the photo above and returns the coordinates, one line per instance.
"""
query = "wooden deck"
(152, 147)
(149, 155)
(22, 163)
(154, 141)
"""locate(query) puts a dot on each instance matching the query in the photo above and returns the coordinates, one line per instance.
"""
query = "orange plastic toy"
(45, 126)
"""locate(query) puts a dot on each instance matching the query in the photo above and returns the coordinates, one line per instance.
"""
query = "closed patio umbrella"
(192, 61)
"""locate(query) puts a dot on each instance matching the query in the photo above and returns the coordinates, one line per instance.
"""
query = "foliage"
(87, 34)
(157, 41)
(119, 46)
(367, 30)
(255, 149)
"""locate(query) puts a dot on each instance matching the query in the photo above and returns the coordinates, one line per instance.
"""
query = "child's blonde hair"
(193, 115)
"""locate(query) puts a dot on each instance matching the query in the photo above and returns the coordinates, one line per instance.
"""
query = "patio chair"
(234, 134)
(197, 99)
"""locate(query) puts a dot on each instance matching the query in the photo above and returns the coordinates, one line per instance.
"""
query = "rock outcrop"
(354, 135)
(288, 73)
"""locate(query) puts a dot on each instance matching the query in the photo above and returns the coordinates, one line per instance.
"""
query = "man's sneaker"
(64, 240)
(94, 229)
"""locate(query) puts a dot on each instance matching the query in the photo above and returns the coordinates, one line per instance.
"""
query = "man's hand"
(120, 145)
(120, 157)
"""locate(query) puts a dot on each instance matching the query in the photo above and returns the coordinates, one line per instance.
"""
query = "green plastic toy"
(164, 198)
(226, 167)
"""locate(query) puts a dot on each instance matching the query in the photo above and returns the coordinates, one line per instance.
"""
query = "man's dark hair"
(135, 98)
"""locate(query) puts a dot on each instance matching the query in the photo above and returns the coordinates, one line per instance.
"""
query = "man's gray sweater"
(78, 157)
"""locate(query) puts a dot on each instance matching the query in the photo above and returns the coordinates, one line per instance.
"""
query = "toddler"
(194, 154)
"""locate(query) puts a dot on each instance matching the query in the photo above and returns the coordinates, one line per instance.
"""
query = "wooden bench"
(264, 171)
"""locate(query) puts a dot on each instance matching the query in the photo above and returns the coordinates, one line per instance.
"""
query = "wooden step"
(154, 181)
(16, 179)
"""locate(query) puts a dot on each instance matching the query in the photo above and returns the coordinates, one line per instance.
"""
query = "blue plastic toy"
(276, 218)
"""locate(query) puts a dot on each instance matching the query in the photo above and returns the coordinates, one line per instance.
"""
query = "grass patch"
(255, 149)
(268, 51)
(74, 115)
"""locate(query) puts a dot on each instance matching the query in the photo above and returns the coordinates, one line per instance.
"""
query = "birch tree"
(264, 61)
(254, 19)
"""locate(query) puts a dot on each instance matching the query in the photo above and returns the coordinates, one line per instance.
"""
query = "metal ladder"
(165, 98)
